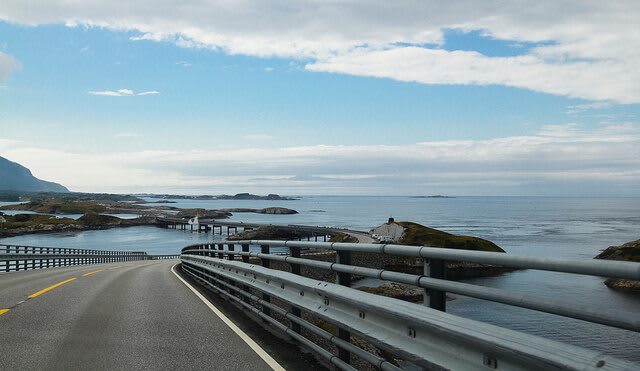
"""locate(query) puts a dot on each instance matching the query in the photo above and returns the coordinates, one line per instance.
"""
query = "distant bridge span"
(213, 224)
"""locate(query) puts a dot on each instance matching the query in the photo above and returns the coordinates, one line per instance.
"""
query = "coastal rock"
(397, 291)
(629, 251)
(276, 210)
(99, 220)
(21, 224)
(408, 233)
(269, 233)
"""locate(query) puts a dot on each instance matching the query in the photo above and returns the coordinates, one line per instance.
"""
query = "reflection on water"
(554, 227)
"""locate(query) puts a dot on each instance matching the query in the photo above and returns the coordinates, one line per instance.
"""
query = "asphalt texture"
(133, 315)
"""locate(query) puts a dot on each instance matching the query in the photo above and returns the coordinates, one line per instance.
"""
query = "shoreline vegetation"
(629, 251)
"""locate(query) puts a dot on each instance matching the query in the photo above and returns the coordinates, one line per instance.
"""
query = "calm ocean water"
(553, 227)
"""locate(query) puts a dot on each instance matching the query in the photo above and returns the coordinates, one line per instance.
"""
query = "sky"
(316, 97)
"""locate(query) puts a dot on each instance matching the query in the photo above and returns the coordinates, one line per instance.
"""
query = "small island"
(266, 210)
(269, 233)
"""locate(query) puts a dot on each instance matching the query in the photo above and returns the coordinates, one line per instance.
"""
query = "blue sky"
(527, 111)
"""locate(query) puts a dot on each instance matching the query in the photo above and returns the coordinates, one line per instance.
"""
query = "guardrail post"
(33, 261)
(436, 299)
(344, 279)
(245, 248)
(221, 249)
(267, 264)
(295, 269)
(231, 247)
(8, 262)
(245, 259)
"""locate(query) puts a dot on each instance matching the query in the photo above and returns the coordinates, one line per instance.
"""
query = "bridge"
(239, 305)
(206, 225)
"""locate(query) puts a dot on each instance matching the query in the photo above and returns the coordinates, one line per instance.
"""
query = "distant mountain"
(16, 177)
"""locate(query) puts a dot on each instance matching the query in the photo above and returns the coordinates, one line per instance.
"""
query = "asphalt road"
(119, 316)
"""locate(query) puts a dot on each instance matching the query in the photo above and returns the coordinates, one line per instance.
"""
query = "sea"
(561, 227)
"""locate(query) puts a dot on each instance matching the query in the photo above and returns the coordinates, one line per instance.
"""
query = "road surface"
(119, 316)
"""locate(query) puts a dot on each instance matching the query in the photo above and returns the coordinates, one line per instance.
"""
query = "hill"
(16, 177)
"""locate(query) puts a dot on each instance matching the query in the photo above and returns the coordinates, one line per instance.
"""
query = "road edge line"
(246, 338)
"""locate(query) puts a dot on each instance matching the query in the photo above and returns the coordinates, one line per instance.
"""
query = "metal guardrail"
(422, 334)
(163, 257)
(17, 257)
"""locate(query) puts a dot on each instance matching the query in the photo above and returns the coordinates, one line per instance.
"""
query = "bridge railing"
(305, 307)
(18, 257)
(163, 257)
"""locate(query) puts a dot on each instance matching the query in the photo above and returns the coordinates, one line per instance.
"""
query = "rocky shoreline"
(21, 224)
(629, 251)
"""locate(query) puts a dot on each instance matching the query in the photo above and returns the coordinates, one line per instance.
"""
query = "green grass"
(343, 237)
(419, 235)
(28, 220)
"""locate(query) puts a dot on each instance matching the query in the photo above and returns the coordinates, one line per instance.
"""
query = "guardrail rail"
(18, 257)
(424, 335)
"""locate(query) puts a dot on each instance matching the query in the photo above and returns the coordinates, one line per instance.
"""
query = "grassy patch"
(419, 235)
(31, 220)
(343, 237)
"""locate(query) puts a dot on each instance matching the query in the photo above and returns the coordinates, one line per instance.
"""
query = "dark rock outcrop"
(629, 251)
(203, 213)
(269, 233)
(266, 210)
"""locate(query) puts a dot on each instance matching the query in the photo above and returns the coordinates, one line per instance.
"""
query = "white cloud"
(184, 64)
(588, 48)
(122, 93)
(560, 159)
(268, 69)
(113, 93)
(150, 92)
(578, 108)
(8, 64)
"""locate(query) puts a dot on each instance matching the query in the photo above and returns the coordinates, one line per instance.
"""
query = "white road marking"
(252, 344)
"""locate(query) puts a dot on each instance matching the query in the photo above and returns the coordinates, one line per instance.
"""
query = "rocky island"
(14, 225)
(269, 233)
(629, 251)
